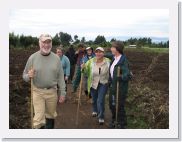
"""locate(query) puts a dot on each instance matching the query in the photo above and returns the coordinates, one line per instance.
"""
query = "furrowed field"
(147, 103)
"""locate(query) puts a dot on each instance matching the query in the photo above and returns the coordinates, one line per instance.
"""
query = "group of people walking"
(101, 72)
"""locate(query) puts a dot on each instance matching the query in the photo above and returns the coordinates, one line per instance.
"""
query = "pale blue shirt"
(66, 65)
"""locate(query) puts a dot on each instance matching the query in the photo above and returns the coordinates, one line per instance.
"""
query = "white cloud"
(90, 23)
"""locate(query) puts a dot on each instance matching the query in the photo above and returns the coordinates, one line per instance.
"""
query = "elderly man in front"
(47, 73)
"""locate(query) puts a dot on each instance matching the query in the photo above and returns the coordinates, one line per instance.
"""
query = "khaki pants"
(44, 103)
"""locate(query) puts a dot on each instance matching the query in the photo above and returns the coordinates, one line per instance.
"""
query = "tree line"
(66, 39)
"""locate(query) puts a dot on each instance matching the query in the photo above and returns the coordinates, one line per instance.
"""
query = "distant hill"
(154, 39)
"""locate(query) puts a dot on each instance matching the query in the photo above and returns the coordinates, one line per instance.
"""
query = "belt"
(47, 88)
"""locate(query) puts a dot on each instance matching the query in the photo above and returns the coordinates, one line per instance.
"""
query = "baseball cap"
(88, 48)
(99, 48)
(44, 37)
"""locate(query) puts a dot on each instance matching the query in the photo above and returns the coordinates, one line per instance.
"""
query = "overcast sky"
(90, 23)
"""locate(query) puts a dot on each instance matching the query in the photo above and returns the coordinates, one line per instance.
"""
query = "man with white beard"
(45, 69)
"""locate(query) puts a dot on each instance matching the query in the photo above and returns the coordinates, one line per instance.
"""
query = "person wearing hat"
(48, 78)
(65, 63)
(80, 53)
(70, 53)
(120, 62)
(97, 70)
(89, 55)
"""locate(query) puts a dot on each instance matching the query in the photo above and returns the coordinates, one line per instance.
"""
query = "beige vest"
(100, 74)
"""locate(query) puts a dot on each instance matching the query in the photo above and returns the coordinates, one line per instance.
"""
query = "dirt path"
(66, 118)
(142, 103)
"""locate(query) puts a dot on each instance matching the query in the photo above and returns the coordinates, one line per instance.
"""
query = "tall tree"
(13, 40)
(56, 40)
(75, 37)
(65, 38)
(83, 40)
(113, 39)
(99, 39)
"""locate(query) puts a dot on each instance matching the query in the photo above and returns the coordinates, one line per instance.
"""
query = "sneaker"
(94, 114)
(101, 121)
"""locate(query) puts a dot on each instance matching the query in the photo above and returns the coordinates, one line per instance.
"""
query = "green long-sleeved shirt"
(48, 71)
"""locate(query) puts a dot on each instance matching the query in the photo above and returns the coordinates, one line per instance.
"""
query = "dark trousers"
(76, 81)
(72, 71)
(121, 108)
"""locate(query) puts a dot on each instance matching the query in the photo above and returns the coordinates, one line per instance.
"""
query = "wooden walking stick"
(117, 97)
(31, 101)
(79, 97)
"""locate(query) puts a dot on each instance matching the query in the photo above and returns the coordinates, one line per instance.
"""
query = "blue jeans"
(98, 97)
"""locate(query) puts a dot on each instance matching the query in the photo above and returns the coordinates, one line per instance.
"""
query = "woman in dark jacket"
(72, 58)
(119, 61)
(79, 55)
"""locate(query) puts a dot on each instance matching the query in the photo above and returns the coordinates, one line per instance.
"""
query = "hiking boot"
(86, 93)
(89, 95)
(49, 123)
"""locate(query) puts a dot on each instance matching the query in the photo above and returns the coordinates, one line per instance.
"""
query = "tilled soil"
(151, 68)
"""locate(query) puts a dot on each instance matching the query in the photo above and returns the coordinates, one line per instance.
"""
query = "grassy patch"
(136, 123)
(146, 108)
(151, 50)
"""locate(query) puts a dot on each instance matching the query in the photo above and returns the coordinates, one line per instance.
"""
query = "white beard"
(45, 52)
